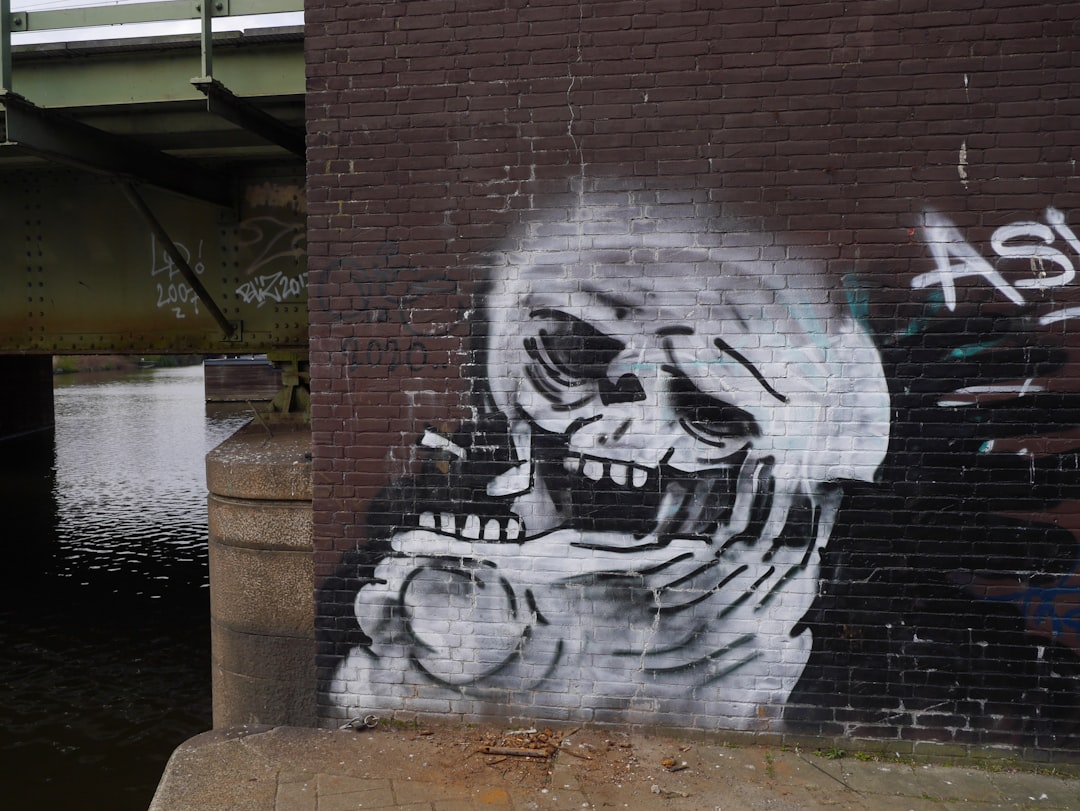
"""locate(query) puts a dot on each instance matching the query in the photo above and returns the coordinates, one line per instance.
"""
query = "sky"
(140, 30)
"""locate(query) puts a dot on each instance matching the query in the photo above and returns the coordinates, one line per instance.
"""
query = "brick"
(436, 133)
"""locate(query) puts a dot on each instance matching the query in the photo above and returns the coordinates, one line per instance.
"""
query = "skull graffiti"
(671, 368)
(683, 403)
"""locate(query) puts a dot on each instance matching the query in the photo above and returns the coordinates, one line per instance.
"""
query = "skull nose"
(627, 389)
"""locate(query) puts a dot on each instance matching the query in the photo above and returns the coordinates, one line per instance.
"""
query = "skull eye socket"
(568, 353)
(707, 419)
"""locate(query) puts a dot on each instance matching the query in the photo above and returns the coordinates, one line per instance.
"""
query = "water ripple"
(105, 630)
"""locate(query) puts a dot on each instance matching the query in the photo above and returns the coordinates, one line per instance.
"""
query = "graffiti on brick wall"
(1029, 245)
(632, 527)
(1029, 258)
(644, 520)
(423, 303)
(952, 602)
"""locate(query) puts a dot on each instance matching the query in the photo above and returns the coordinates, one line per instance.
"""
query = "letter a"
(956, 259)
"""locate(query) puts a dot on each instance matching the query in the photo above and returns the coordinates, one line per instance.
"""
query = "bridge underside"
(145, 212)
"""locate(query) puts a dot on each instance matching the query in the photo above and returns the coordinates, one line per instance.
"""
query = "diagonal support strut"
(178, 258)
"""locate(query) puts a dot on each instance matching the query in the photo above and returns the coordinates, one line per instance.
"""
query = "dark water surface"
(104, 605)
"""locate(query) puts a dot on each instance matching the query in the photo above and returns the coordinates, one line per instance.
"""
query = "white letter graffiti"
(956, 259)
(178, 294)
(1027, 240)
(274, 287)
(1039, 254)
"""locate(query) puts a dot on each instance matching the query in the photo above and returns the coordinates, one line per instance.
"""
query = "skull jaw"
(713, 642)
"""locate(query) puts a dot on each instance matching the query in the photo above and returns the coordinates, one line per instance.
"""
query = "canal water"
(104, 608)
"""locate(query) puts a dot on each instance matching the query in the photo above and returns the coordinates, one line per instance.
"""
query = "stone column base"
(261, 600)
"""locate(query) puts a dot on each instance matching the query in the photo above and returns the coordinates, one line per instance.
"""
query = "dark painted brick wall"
(907, 162)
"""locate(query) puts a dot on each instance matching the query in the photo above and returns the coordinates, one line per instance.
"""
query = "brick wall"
(699, 363)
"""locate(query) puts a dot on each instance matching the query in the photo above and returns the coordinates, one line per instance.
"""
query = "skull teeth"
(596, 470)
(471, 527)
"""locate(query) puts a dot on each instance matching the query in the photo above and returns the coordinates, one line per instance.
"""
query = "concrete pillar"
(261, 600)
(27, 405)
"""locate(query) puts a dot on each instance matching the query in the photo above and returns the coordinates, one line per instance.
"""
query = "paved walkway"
(448, 767)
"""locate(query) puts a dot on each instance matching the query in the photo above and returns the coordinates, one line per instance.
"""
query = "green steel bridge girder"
(137, 78)
(84, 273)
(148, 206)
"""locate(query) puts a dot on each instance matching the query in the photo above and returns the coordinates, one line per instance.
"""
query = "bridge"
(151, 186)
(152, 200)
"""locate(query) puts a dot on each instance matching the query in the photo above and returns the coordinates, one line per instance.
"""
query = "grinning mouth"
(600, 495)
(472, 526)
(578, 491)
(620, 474)
(597, 494)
